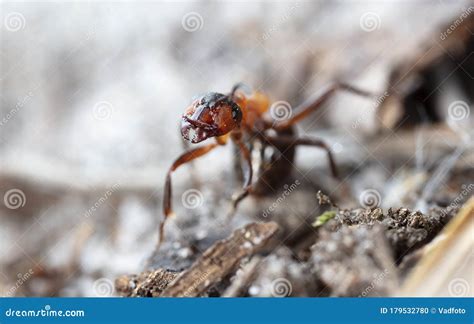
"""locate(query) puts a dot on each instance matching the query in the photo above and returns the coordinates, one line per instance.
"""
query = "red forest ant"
(246, 119)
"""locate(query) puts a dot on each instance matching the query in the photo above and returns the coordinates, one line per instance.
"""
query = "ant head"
(212, 114)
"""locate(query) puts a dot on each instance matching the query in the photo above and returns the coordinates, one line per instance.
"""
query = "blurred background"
(92, 93)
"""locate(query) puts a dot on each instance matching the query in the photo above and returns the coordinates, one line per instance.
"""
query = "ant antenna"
(240, 85)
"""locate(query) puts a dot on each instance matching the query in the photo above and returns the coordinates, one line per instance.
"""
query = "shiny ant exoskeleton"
(244, 119)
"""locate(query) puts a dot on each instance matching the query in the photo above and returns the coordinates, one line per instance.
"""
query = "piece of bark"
(124, 285)
(146, 284)
(354, 261)
(221, 259)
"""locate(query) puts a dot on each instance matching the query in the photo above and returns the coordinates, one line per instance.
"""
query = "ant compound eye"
(236, 113)
(212, 99)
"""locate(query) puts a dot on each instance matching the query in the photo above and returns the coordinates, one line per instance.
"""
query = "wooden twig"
(221, 259)
(145, 284)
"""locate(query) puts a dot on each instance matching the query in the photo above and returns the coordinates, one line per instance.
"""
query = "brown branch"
(221, 259)
(145, 284)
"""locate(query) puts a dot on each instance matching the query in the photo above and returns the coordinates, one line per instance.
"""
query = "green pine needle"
(324, 217)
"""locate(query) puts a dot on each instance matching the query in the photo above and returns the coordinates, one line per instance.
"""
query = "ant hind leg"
(317, 101)
(288, 140)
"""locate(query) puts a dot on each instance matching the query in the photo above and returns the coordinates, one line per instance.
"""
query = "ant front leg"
(248, 173)
(183, 159)
(315, 102)
(292, 141)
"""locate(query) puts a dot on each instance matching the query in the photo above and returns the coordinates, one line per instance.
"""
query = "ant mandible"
(241, 119)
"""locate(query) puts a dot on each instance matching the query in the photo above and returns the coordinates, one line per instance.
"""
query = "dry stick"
(221, 259)
(145, 284)
(155, 283)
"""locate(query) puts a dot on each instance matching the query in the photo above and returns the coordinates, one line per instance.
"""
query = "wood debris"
(146, 284)
(221, 260)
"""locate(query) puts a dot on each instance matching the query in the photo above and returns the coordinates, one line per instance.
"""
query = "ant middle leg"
(248, 175)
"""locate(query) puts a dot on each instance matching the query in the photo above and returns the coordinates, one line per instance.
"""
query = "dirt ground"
(92, 96)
